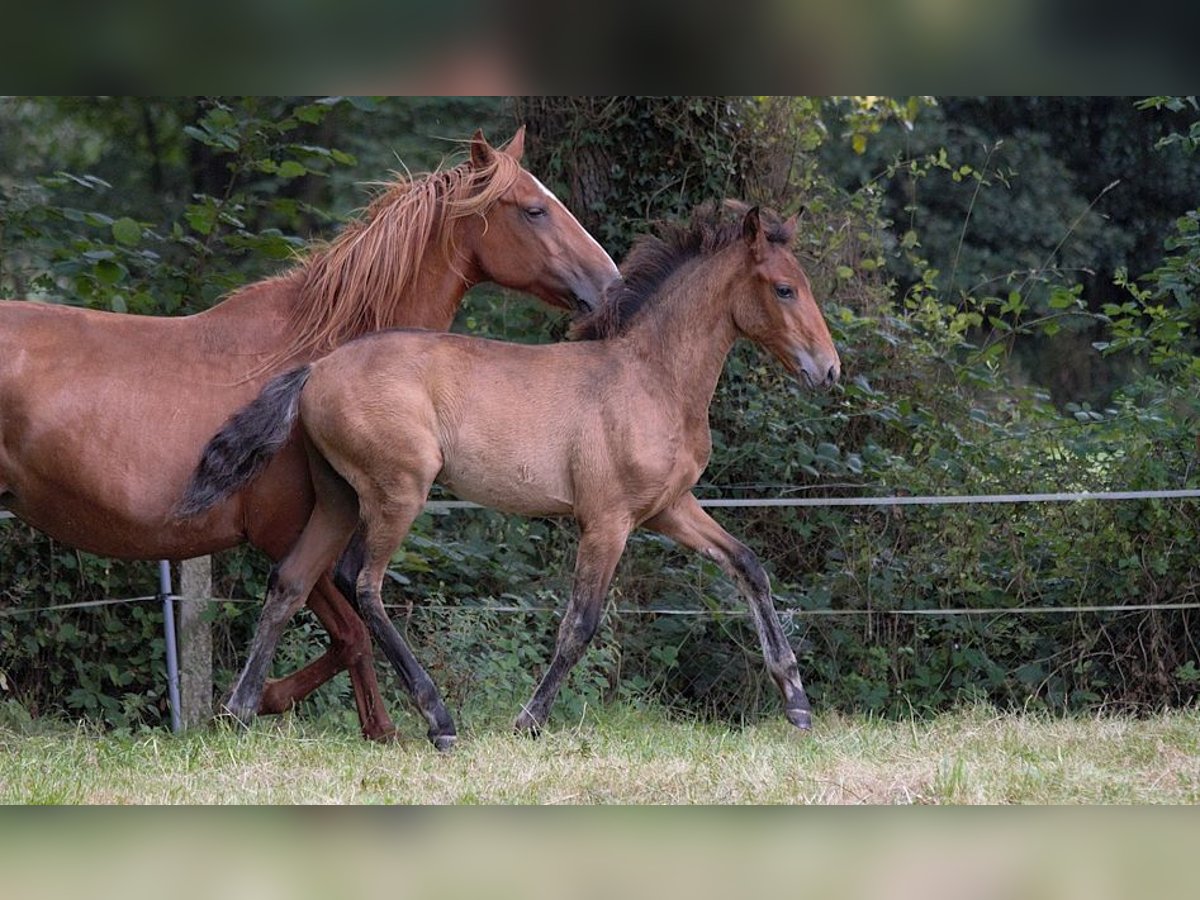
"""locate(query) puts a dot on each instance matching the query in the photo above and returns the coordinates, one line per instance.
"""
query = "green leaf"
(126, 231)
(1061, 299)
(108, 272)
(201, 218)
(289, 168)
(312, 114)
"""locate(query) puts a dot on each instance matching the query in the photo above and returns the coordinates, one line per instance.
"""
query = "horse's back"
(102, 416)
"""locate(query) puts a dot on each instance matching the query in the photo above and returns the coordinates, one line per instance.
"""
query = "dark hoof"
(801, 718)
(527, 725)
(443, 742)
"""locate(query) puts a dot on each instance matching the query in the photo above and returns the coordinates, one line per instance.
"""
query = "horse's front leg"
(600, 548)
(692, 527)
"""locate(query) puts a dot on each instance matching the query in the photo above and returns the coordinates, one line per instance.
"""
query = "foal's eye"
(785, 291)
(535, 212)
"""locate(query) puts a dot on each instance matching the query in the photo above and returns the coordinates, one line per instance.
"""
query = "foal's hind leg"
(329, 527)
(386, 524)
(600, 549)
(692, 527)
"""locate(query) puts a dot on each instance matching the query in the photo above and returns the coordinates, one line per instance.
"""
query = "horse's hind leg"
(692, 527)
(350, 648)
(387, 523)
(600, 549)
(329, 527)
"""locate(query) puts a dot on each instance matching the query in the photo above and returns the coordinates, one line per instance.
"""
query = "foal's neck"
(685, 335)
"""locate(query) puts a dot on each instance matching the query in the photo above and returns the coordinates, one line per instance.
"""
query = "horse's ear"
(516, 147)
(481, 151)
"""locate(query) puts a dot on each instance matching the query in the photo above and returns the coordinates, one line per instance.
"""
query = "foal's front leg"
(692, 527)
(600, 548)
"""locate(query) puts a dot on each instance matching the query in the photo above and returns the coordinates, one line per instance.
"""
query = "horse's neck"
(261, 316)
(435, 296)
(254, 317)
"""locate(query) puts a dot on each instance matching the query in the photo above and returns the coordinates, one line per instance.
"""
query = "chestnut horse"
(103, 416)
(611, 430)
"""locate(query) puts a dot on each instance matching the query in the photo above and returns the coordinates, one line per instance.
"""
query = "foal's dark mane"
(655, 257)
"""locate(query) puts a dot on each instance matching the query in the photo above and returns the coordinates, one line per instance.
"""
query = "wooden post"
(195, 641)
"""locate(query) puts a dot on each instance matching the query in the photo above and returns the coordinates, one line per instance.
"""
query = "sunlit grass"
(624, 755)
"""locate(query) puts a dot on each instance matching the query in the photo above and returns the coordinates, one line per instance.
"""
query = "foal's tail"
(245, 444)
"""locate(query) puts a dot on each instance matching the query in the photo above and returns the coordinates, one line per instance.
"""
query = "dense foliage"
(943, 269)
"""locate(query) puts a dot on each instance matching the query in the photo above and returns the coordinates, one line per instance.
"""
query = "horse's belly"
(80, 522)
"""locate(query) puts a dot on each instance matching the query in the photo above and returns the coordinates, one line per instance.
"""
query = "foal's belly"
(509, 485)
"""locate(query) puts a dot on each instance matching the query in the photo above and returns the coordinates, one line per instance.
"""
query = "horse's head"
(777, 308)
(527, 240)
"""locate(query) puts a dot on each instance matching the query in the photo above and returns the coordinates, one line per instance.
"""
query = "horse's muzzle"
(819, 371)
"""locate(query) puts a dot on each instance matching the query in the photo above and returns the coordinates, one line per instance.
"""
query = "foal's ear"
(751, 225)
(482, 153)
(789, 227)
(516, 147)
(753, 234)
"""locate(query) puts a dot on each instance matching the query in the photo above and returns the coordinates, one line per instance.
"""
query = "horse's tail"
(246, 443)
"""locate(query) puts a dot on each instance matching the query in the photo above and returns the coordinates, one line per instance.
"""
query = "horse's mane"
(653, 258)
(356, 282)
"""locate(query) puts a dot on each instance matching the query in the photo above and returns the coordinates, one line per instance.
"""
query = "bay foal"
(611, 429)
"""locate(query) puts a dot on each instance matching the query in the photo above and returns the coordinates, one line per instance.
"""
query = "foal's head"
(774, 305)
(523, 236)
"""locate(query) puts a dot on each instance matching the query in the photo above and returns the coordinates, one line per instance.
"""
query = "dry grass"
(975, 756)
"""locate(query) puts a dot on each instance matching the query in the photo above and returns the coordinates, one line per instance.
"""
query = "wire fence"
(442, 506)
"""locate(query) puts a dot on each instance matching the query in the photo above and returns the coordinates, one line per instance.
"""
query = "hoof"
(527, 725)
(238, 715)
(382, 735)
(274, 702)
(801, 718)
(443, 742)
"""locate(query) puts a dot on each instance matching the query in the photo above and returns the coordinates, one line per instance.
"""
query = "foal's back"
(551, 429)
(494, 422)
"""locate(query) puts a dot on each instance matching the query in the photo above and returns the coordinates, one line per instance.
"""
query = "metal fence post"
(168, 607)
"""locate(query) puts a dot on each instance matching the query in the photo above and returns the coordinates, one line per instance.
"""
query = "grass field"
(622, 755)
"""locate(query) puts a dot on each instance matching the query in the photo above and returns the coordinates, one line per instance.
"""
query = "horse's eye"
(785, 291)
(535, 212)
